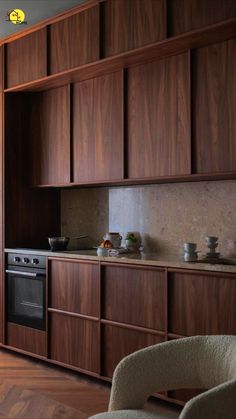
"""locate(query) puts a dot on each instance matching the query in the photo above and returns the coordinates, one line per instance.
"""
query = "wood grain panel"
(158, 118)
(118, 342)
(26, 58)
(75, 40)
(1, 193)
(98, 128)
(134, 295)
(129, 24)
(201, 304)
(50, 137)
(26, 338)
(187, 15)
(214, 108)
(74, 341)
(74, 287)
(30, 215)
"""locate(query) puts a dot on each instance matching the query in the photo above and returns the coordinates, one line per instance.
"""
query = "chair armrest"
(217, 403)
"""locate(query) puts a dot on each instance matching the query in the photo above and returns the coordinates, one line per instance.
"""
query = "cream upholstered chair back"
(204, 362)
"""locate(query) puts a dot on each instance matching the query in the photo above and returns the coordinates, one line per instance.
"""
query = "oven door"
(26, 298)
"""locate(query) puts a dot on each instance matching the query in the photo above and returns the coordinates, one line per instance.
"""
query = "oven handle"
(22, 273)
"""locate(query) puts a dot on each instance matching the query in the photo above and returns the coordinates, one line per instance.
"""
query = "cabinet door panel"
(214, 101)
(50, 137)
(75, 40)
(201, 304)
(158, 118)
(187, 15)
(74, 287)
(135, 296)
(130, 24)
(2, 233)
(98, 128)
(74, 341)
(118, 342)
(27, 339)
(27, 58)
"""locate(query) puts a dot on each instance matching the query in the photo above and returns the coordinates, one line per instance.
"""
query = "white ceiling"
(35, 10)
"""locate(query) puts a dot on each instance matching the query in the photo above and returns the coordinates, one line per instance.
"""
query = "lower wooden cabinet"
(118, 342)
(27, 339)
(74, 341)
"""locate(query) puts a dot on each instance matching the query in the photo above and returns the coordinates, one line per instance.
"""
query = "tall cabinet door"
(158, 118)
(214, 100)
(98, 128)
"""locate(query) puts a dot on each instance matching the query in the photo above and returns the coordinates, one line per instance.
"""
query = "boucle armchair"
(204, 362)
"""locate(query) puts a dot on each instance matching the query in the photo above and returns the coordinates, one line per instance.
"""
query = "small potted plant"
(131, 241)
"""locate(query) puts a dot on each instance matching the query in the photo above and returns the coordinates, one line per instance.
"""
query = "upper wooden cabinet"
(159, 118)
(50, 137)
(187, 15)
(98, 129)
(75, 40)
(129, 24)
(26, 58)
(214, 105)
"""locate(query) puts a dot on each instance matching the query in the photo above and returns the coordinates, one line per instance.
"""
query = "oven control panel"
(26, 260)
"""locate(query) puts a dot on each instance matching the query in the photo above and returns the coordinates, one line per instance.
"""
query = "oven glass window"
(26, 297)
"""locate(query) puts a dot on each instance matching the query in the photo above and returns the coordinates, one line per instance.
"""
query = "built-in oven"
(26, 290)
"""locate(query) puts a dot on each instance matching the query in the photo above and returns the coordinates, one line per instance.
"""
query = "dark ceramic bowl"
(58, 243)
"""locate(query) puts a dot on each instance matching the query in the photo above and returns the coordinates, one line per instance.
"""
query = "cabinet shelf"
(218, 32)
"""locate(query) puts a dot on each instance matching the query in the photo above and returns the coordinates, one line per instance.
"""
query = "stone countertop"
(147, 259)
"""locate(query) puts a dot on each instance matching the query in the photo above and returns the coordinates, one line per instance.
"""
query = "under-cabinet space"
(201, 304)
(74, 341)
(187, 15)
(214, 105)
(134, 295)
(74, 40)
(74, 287)
(118, 342)
(49, 138)
(129, 24)
(26, 339)
(26, 58)
(98, 129)
(158, 118)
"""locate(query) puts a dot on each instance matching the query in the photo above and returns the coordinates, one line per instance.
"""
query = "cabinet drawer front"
(26, 58)
(134, 295)
(75, 40)
(74, 341)
(201, 304)
(74, 287)
(26, 339)
(118, 342)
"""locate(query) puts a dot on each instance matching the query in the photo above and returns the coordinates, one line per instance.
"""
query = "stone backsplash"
(165, 215)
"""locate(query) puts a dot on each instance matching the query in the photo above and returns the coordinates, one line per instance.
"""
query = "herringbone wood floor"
(31, 389)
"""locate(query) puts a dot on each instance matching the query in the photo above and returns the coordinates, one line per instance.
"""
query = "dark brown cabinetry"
(214, 101)
(159, 119)
(75, 40)
(50, 137)
(26, 339)
(98, 128)
(1, 191)
(26, 58)
(129, 24)
(74, 307)
(201, 304)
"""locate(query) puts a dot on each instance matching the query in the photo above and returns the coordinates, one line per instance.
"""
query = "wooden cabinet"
(129, 24)
(159, 118)
(74, 287)
(187, 15)
(214, 104)
(26, 58)
(74, 341)
(75, 40)
(98, 129)
(26, 339)
(50, 137)
(201, 303)
(2, 244)
(74, 310)
(118, 342)
(134, 295)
